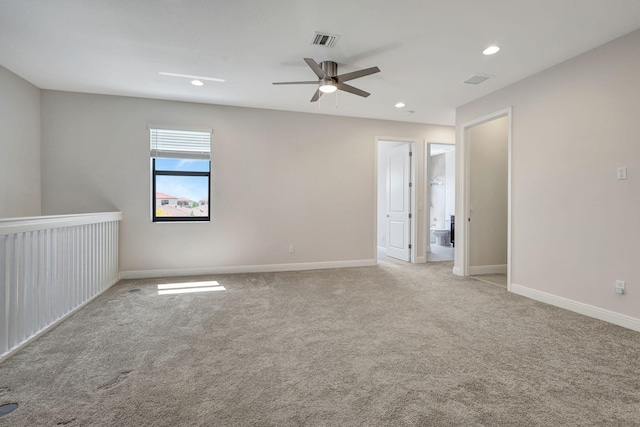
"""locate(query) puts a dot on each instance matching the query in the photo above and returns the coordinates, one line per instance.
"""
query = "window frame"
(155, 173)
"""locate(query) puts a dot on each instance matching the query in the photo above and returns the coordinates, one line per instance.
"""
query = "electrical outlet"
(621, 287)
(292, 249)
(622, 172)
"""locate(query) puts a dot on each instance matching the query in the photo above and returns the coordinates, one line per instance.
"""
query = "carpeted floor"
(393, 345)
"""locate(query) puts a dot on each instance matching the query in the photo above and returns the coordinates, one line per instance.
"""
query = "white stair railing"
(49, 267)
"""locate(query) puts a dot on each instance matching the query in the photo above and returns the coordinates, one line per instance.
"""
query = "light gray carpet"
(393, 345)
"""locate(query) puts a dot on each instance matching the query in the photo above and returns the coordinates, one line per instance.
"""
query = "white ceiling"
(424, 48)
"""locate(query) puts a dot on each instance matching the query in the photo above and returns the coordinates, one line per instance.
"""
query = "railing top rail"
(33, 223)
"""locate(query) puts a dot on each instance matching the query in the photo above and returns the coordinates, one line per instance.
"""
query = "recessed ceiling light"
(410, 112)
(187, 76)
(400, 105)
(197, 83)
(491, 50)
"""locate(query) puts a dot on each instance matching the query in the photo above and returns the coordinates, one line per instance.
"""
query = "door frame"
(462, 231)
(413, 232)
(427, 188)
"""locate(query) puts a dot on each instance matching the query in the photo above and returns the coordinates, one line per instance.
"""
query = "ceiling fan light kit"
(329, 80)
(328, 86)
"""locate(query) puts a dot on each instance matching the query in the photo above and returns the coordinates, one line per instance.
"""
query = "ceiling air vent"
(324, 39)
(476, 79)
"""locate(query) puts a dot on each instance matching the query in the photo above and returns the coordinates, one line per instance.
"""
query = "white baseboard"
(488, 269)
(578, 307)
(267, 268)
(457, 271)
(382, 249)
(421, 260)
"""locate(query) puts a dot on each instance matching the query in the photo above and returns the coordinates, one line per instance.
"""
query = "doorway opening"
(483, 240)
(440, 189)
(396, 195)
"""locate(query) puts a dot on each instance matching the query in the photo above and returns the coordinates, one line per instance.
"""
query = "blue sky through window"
(165, 164)
(194, 188)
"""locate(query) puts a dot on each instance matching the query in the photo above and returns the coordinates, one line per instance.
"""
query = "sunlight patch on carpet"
(186, 288)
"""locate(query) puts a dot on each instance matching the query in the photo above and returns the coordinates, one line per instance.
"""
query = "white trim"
(413, 204)
(462, 233)
(457, 271)
(33, 223)
(426, 215)
(266, 268)
(50, 327)
(578, 307)
(421, 260)
(393, 139)
(382, 249)
(375, 199)
(488, 269)
(509, 194)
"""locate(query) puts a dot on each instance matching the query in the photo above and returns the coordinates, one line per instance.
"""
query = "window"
(180, 175)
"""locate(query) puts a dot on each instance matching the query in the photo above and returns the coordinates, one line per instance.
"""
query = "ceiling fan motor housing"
(330, 68)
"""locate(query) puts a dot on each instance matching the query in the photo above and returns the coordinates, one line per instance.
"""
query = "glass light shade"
(328, 87)
(491, 50)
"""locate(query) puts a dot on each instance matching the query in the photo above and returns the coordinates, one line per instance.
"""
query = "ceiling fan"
(329, 81)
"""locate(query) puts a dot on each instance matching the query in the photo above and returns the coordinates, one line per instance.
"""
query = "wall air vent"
(324, 39)
(476, 79)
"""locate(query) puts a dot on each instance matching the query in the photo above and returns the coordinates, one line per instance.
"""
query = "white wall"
(19, 146)
(278, 178)
(575, 227)
(488, 145)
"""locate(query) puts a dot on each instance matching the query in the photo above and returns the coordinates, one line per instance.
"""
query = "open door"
(399, 203)
(483, 233)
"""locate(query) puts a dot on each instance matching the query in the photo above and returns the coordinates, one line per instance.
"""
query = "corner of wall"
(20, 155)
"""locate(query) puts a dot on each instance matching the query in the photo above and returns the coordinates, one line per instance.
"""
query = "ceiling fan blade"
(315, 82)
(316, 68)
(354, 90)
(356, 74)
(316, 95)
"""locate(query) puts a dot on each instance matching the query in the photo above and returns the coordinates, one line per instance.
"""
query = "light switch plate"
(622, 172)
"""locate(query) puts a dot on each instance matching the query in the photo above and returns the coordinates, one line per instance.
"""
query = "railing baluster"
(4, 283)
(53, 273)
(45, 276)
(23, 284)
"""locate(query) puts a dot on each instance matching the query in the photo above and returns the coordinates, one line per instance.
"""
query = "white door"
(399, 203)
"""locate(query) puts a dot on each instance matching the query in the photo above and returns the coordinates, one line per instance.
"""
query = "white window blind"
(181, 144)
